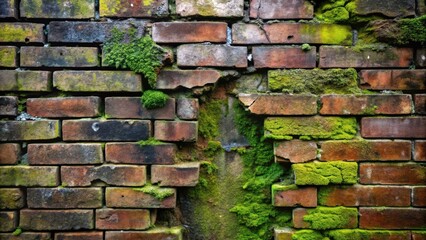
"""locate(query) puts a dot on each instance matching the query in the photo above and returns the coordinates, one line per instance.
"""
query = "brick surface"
(131, 198)
(189, 32)
(420, 150)
(110, 130)
(295, 151)
(64, 107)
(115, 175)
(365, 104)
(29, 176)
(392, 218)
(97, 81)
(393, 79)
(419, 196)
(179, 175)
(280, 104)
(275, 33)
(283, 233)
(8, 56)
(64, 198)
(8, 106)
(26, 236)
(382, 150)
(59, 57)
(176, 131)
(305, 197)
(273, 9)
(173, 79)
(213, 8)
(8, 221)
(89, 32)
(187, 108)
(9, 153)
(333, 214)
(122, 219)
(21, 32)
(193, 55)
(393, 8)
(371, 196)
(324, 173)
(421, 57)
(420, 235)
(54, 9)
(343, 57)
(11, 198)
(284, 57)
(8, 9)
(133, 153)
(28, 81)
(133, 8)
(398, 127)
(79, 236)
(131, 107)
(29, 130)
(420, 103)
(386, 173)
(65, 154)
(152, 234)
(56, 219)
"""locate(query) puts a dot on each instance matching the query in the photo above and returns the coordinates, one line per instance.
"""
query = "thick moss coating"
(361, 234)
(322, 218)
(307, 235)
(154, 99)
(324, 173)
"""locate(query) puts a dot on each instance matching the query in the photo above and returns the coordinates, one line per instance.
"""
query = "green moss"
(307, 235)
(401, 32)
(154, 99)
(316, 81)
(157, 192)
(141, 55)
(150, 142)
(7, 57)
(17, 232)
(12, 33)
(322, 218)
(208, 121)
(213, 147)
(306, 47)
(360, 234)
(334, 15)
(324, 173)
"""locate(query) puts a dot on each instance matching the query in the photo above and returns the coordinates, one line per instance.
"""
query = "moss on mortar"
(324, 173)
(208, 120)
(156, 191)
(150, 142)
(361, 234)
(322, 218)
(154, 99)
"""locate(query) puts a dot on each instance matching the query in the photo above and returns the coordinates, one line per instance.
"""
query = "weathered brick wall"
(70, 163)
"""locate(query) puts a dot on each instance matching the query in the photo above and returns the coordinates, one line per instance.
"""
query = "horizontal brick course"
(173, 79)
(59, 57)
(124, 8)
(189, 32)
(56, 219)
(21, 32)
(197, 55)
(387, 173)
(212, 8)
(133, 153)
(179, 175)
(64, 198)
(284, 57)
(270, 9)
(26, 235)
(29, 130)
(53, 9)
(280, 104)
(64, 154)
(392, 218)
(79, 236)
(64, 107)
(25, 81)
(393, 79)
(131, 107)
(122, 219)
(29, 176)
(397, 127)
(176, 131)
(131, 198)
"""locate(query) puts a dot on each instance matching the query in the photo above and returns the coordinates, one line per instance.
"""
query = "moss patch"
(324, 173)
(360, 234)
(307, 235)
(208, 121)
(157, 192)
(322, 218)
(18, 231)
(154, 99)
(150, 142)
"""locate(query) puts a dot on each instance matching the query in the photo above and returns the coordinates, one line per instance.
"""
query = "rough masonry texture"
(282, 119)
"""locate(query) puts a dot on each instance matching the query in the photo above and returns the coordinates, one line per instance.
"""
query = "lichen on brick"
(322, 218)
(324, 173)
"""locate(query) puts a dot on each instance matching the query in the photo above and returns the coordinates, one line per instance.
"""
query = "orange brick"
(393, 79)
(397, 127)
(305, 197)
(280, 104)
(131, 198)
(64, 107)
(173, 79)
(284, 57)
(387, 173)
(199, 55)
(9, 153)
(122, 219)
(420, 150)
(189, 32)
(295, 151)
(131, 107)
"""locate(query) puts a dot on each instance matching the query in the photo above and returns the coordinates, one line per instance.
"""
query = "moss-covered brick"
(133, 153)
(143, 8)
(21, 32)
(97, 81)
(29, 176)
(324, 173)
(59, 57)
(77, 9)
(210, 8)
(307, 128)
(157, 233)
(137, 198)
(315, 81)
(307, 235)
(8, 56)
(29, 130)
(361, 234)
(8, 9)
(28, 81)
(64, 197)
(39, 220)
(11, 198)
(323, 218)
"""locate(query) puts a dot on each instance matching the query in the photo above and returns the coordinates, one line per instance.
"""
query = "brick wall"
(70, 163)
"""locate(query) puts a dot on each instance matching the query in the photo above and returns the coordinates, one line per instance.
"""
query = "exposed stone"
(391, 8)
(295, 151)
(187, 108)
(172, 79)
(280, 104)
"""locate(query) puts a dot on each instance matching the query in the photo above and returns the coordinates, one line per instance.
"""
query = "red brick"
(382, 150)
(21, 32)
(421, 56)
(44, 220)
(122, 219)
(187, 108)
(116, 175)
(25, 236)
(64, 107)
(273, 9)
(8, 56)
(333, 215)
(305, 197)
(131, 198)
(8, 221)
(133, 153)
(176, 131)
(291, 33)
(131, 107)
(64, 198)
(189, 32)
(179, 175)
(420, 235)
(393, 79)
(396, 8)
(152, 234)
(392, 218)
(211, 8)
(173, 79)
(397, 127)
(198, 55)
(420, 150)
(59, 57)
(284, 57)
(97, 81)
(79, 236)
(365, 104)
(11, 198)
(419, 196)
(8, 106)
(420, 103)
(67, 154)
(29, 130)
(133, 8)
(8, 9)
(29, 176)
(371, 196)
(386, 173)
(280, 104)
(9, 153)
(295, 151)
(344, 57)
(53, 9)
(28, 81)
(110, 130)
